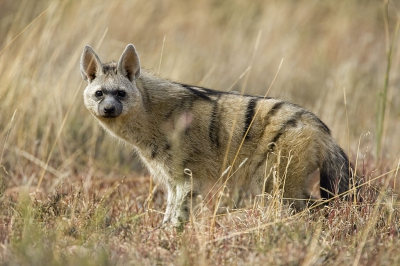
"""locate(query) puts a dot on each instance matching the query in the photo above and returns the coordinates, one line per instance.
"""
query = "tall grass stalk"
(382, 99)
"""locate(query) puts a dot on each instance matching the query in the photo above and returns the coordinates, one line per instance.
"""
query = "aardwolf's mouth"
(109, 115)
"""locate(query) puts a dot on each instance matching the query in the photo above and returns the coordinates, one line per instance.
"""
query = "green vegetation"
(91, 204)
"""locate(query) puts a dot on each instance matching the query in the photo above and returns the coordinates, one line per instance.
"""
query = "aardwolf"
(177, 128)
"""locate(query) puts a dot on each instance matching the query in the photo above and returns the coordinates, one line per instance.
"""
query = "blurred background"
(329, 49)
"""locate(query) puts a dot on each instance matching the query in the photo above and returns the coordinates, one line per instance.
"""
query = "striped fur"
(175, 126)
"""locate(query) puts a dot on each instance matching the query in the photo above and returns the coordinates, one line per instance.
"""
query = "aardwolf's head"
(111, 90)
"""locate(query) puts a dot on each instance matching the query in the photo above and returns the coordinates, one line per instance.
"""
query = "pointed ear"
(91, 66)
(129, 64)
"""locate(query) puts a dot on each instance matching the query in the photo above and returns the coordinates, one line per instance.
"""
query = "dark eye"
(98, 93)
(121, 93)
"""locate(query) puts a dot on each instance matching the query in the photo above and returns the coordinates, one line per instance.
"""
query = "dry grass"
(91, 207)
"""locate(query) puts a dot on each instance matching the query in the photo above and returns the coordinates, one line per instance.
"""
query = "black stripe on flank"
(278, 135)
(249, 116)
(292, 122)
(274, 109)
(269, 116)
(213, 129)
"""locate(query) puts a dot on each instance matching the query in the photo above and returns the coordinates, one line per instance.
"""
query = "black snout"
(110, 107)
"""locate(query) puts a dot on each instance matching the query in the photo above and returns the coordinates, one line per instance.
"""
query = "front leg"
(180, 214)
(179, 204)
(171, 202)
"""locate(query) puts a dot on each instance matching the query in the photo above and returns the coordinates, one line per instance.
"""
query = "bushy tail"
(336, 173)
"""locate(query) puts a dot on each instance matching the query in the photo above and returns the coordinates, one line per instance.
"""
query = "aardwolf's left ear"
(91, 66)
(129, 64)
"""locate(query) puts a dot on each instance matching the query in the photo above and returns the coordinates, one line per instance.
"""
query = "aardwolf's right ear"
(129, 63)
(91, 66)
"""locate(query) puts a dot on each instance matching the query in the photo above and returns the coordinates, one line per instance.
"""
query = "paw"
(176, 221)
